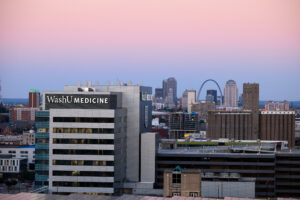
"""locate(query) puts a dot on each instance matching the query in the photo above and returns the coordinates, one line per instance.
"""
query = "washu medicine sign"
(80, 101)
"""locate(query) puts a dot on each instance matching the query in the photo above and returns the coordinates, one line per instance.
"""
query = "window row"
(83, 130)
(83, 173)
(9, 162)
(81, 184)
(84, 119)
(8, 168)
(82, 152)
(83, 141)
(42, 119)
(83, 162)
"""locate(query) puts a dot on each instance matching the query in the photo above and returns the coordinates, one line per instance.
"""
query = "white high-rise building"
(94, 137)
(188, 99)
(231, 94)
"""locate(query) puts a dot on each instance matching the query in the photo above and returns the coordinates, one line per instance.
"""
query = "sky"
(51, 43)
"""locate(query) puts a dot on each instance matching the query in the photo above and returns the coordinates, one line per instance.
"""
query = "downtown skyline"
(47, 45)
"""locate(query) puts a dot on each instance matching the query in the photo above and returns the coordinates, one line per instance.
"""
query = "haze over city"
(47, 44)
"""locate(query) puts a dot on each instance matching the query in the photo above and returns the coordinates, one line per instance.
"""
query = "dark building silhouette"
(251, 102)
(212, 93)
(251, 96)
(158, 93)
(170, 86)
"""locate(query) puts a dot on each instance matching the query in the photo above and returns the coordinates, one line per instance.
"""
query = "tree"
(10, 182)
(3, 109)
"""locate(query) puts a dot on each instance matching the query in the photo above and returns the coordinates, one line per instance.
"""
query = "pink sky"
(156, 29)
(239, 24)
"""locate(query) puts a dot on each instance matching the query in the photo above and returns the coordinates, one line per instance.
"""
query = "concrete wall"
(220, 189)
(149, 142)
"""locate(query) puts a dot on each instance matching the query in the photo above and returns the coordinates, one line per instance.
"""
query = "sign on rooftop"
(80, 101)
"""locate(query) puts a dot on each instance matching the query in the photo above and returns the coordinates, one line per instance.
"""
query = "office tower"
(158, 93)
(230, 94)
(213, 93)
(95, 134)
(88, 138)
(251, 96)
(184, 100)
(251, 102)
(165, 88)
(34, 98)
(209, 98)
(188, 99)
(41, 148)
(168, 84)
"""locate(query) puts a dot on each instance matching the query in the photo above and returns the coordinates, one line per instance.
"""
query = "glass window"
(83, 130)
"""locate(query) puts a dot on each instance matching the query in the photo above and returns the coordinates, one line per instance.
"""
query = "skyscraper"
(251, 102)
(95, 133)
(188, 99)
(34, 98)
(231, 94)
(212, 93)
(168, 84)
(251, 96)
(158, 93)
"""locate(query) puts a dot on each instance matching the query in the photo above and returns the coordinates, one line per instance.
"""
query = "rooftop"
(30, 196)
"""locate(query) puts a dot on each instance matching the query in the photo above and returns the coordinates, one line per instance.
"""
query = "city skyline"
(46, 45)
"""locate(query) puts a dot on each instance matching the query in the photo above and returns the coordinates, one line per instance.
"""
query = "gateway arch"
(212, 80)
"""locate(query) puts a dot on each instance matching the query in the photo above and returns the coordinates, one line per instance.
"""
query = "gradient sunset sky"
(50, 43)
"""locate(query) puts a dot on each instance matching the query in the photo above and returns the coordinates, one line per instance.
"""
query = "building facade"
(251, 102)
(277, 106)
(272, 125)
(182, 182)
(34, 98)
(277, 125)
(229, 124)
(28, 138)
(231, 94)
(87, 146)
(94, 142)
(21, 152)
(20, 113)
(276, 174)
(188, 99)
(170, 90)
(202, 108)
(181, 123)
(11, 167)
(42, 149)
(213, 93)
(158, 93)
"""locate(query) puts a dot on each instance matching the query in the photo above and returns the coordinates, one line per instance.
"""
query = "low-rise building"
(182, 182)
(9, 166)
(21, 152)
(29, 138)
